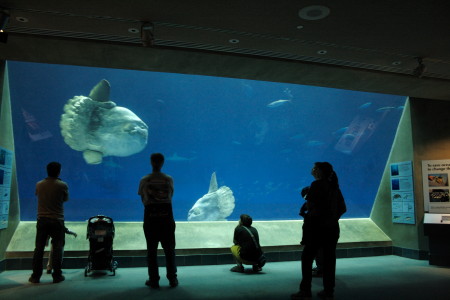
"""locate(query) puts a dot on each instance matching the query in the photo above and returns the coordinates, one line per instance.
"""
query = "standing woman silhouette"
(326, 205)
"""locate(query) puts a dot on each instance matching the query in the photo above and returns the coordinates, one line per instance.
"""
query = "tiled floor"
(366, 278)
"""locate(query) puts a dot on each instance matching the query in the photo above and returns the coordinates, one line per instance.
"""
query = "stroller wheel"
(113, 266)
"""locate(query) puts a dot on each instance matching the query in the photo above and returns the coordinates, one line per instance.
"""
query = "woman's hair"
(327, 172)
(246, 220)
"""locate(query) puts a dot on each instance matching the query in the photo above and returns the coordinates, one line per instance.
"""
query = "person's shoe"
(152, 284)
(49, 271)
(239, 269)
(301, 295)
(58, 279)
(173, 282)
(316, 272)
(324, 295)
(33, 279)
(256, 268)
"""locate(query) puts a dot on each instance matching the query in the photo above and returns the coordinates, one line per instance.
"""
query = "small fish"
(278, 103)
(365, 105)
(314, 143)
(382, 109)
(236, 143)
(340, 131)
(348, 136)
(297, 136)
(176, 158)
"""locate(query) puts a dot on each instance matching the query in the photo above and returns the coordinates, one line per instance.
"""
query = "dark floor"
(379, 277)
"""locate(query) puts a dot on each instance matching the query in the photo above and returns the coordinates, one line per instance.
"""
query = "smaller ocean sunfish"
(216, 205)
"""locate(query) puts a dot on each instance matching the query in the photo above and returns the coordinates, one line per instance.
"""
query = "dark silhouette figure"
(317, 271)
(246, 248)
(156, 190)
(325, 205)
(51, 193)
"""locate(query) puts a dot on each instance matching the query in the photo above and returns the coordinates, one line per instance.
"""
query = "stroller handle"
(100, 218)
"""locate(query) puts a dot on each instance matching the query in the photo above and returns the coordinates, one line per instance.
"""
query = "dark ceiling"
(388, 46)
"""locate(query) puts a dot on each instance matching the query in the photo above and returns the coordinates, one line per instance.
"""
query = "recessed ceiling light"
(300, 27)
(22, 19)
(396, 63)
(133, 30)
(314, 12)
(322, 52)
(233, 41)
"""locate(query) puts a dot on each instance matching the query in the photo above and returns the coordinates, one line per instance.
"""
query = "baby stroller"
(100, 232)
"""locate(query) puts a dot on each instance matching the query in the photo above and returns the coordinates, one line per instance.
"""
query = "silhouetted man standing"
(51, 193)
(156, 190)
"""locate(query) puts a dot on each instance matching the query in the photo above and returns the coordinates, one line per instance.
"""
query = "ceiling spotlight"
(396, 63)
(322, 52)
(300, 27)
(22, 19)
(233, 41)
(314, 12)
(133, 30)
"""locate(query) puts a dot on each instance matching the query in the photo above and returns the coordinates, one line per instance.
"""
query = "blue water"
(223, 125)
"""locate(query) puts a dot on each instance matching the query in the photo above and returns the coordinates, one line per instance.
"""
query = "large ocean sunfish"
(98, 127)
(216, 205)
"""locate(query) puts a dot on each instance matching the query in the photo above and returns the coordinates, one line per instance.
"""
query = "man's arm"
(235, 241)
(342, 207)
(66, 192)
(171, 187)
(141, 191)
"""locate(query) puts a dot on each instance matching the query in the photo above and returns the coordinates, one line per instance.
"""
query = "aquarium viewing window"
(232, 146)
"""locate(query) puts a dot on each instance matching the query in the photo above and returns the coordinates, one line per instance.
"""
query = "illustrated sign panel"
(5, 185)
(435, 175)
(402, 193)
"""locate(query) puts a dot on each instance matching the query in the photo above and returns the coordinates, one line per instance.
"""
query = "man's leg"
(235, 251)
(58, 240)
(168, 244)
(41, 238)
(152, 259)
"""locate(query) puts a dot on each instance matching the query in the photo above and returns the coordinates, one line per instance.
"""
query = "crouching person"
(246, 249)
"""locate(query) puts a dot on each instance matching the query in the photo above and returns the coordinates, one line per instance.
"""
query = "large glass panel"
(260, 138)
